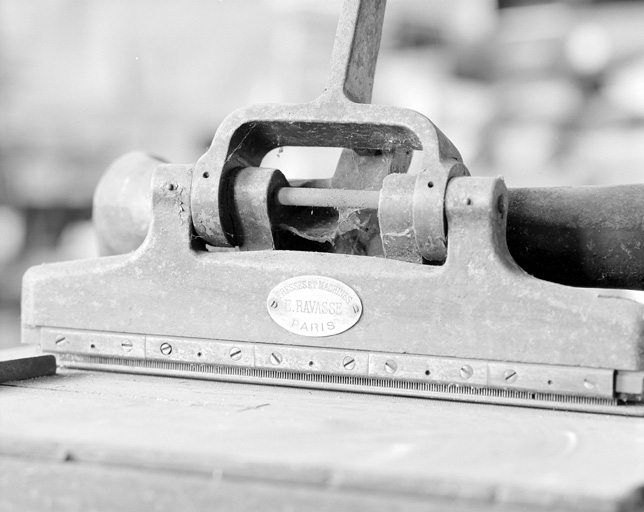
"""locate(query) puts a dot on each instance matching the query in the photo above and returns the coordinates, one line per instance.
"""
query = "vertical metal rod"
(355, 51)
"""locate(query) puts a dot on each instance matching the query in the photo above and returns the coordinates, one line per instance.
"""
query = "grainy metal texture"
(429, 209)
(386, 385)
(334, 119)
(598, 231)
(479, 305)
(122, 203)
(255, 210)
(355, 51)
(364, 170)
(396, 217)
(554, 383)
(580, 236)
(479, 309)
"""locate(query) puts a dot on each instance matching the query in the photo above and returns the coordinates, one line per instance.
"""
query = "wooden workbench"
(85, 440)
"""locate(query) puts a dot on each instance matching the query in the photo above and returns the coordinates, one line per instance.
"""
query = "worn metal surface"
(502, 335)
(458, 379)
(400, 370)
(479, 305)
(340, 117)
(396, 217)
(122, 203)
(598, 231)
(256, 212)
(364, 171)
(579, 236)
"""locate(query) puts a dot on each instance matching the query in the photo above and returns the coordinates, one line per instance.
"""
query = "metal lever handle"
(579, 236)
(355, 52)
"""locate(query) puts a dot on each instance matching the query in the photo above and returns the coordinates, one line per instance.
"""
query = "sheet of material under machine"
(379, 281)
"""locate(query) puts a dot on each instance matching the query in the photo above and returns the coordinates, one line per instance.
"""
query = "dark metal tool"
(375, 280)
(22, 363)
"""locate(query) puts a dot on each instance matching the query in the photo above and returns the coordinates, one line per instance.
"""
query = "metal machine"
(437, 284)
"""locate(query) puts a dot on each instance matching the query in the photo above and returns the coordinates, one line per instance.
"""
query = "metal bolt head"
(510, 376)
(349, 363)
(466, 371)
(391, 366)
(126, 345)
(276, 358)
(235, 354)
(166, 349)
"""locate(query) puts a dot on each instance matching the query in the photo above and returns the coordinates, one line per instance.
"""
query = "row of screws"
(126, 344)
(349, 363)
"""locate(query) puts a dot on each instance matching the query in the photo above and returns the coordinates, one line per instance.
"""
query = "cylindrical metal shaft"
(327, 197)
(579, 236)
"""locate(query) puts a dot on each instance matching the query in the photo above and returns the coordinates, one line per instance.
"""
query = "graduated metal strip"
(546, 386)
(531, 378)
(456, 392)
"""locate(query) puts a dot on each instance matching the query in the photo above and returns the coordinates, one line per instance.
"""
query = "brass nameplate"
(314, 306)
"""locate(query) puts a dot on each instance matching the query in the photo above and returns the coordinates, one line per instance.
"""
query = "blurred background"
(545, 93)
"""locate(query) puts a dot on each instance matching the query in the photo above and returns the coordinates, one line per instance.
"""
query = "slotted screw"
(166, 349)
(391, 366)
(235, 354)
(466, 371)
(126, 345)
(349, 363)
(510, 376)
(276, 358)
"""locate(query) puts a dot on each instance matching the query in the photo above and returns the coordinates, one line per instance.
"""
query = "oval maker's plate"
(314, 306)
